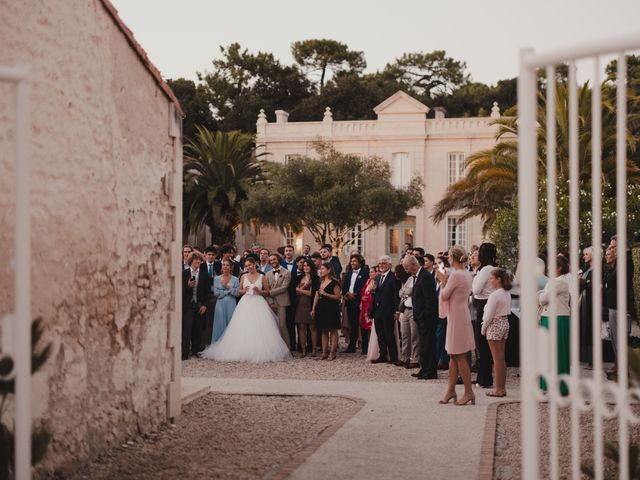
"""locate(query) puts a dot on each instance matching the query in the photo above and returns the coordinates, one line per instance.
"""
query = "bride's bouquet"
(251, 290)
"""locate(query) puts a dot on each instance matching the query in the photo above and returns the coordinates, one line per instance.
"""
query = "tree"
(242, 83)
(195, 105)
(220, 171)
(332, 195)
(350, 97)
(429, 75)
(320, 55)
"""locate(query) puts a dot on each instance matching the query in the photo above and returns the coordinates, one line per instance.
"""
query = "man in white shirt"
(263, 265)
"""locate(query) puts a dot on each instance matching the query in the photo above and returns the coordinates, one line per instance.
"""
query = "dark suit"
(353, 306)
(385, 303)
(191, 318)
(425, 314)
(291, 309)
(207, 327)
(337, 267)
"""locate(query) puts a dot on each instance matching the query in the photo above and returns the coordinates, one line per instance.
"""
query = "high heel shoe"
(325, 355)
(466, 399)
(448, 397)
(303, 354)
(501, 393)
(332, 356)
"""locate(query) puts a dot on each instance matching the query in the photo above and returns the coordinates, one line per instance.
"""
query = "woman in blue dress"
(225, 288)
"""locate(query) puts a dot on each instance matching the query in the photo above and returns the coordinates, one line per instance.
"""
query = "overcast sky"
(182, 37)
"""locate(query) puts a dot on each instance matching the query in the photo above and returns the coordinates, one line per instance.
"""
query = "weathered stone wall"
(102, 223)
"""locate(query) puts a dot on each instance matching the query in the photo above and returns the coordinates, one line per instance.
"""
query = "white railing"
(21, 327)
(603, 398)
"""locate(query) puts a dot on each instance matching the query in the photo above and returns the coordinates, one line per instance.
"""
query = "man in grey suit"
(278, 279)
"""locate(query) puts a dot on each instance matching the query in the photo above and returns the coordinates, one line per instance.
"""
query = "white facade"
(433, 148)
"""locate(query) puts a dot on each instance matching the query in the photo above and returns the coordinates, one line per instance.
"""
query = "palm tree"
(491, 179)
(220, 170)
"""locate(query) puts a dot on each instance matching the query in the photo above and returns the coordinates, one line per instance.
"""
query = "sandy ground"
(220, 436)
(347, 367)
(508, 452)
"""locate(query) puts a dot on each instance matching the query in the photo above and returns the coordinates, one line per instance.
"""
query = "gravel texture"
(508, 451)
(221, 436)
(347, 366)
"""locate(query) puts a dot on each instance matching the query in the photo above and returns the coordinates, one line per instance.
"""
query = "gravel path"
(221, 436)
(347, 366)
(508, 451)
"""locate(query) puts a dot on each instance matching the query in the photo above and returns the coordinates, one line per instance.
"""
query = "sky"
(182, 37)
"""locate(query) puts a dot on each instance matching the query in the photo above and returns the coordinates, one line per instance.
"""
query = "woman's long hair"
(487, 255)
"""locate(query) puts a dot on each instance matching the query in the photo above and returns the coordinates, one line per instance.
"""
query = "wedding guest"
(293, 296)
(225, 289)
(255, 249)
(586, 298)
(369, 340)
(425, 313)
(495, 326)
(610, 297)
(454, 295)
(306, 250)
(326, 310)
(383, 309)
(354, 280)
(288, 261)
(442, 264)
(278, 280)
(195, 298)
(186, 251)
(482, 288)
(410, 341)
(563, 312)
(326, 252)
(307, 286)
(263, 265)
(429, 264)
(227, 251)
(317, 261)
(209, 267)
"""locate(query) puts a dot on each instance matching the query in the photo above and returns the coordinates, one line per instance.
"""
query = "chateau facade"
(433, 148)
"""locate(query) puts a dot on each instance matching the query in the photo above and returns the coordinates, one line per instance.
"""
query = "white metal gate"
(594, 394)
(21, 321)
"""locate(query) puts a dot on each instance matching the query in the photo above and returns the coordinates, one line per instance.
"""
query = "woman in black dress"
(306, 288)
(326, 310)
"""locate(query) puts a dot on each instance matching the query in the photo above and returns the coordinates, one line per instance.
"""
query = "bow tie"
(276, 270)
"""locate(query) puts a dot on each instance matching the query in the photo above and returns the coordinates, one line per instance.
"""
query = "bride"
(252, 334)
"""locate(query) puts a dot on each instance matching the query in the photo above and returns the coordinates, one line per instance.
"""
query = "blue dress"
(225, 305)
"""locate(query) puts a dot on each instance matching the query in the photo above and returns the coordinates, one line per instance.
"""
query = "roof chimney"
(440, 112)
(282, 116)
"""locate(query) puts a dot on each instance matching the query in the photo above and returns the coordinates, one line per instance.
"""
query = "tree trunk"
(222, 236)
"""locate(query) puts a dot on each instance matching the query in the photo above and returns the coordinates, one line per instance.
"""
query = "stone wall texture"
(102, 223)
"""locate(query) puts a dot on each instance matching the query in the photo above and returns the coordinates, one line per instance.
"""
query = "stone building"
(434, 148)
(106, 223)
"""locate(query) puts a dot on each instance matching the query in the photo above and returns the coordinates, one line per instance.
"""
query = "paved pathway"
(401, 432)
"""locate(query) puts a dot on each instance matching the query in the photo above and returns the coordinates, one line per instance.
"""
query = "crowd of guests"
(453, 310)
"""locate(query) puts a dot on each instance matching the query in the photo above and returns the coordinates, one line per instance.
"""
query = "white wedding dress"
(252, 334)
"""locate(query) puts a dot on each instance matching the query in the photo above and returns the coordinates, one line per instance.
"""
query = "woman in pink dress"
(454, 295)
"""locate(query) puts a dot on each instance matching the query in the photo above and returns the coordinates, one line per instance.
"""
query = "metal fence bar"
(596, 274)
(528, 232)
(552, 235)
(582, 50)
(574, 245)
(621, 261)
(22, 326)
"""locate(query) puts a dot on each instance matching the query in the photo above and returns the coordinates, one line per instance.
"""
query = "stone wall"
(102, 222)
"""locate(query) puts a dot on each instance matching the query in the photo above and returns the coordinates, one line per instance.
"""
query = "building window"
(400, 234)
(355, 241)
(456, 232)
(400, 169)
(455, 166)
(288, 236)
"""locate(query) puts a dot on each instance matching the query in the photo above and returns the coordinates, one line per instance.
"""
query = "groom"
(278, 279)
